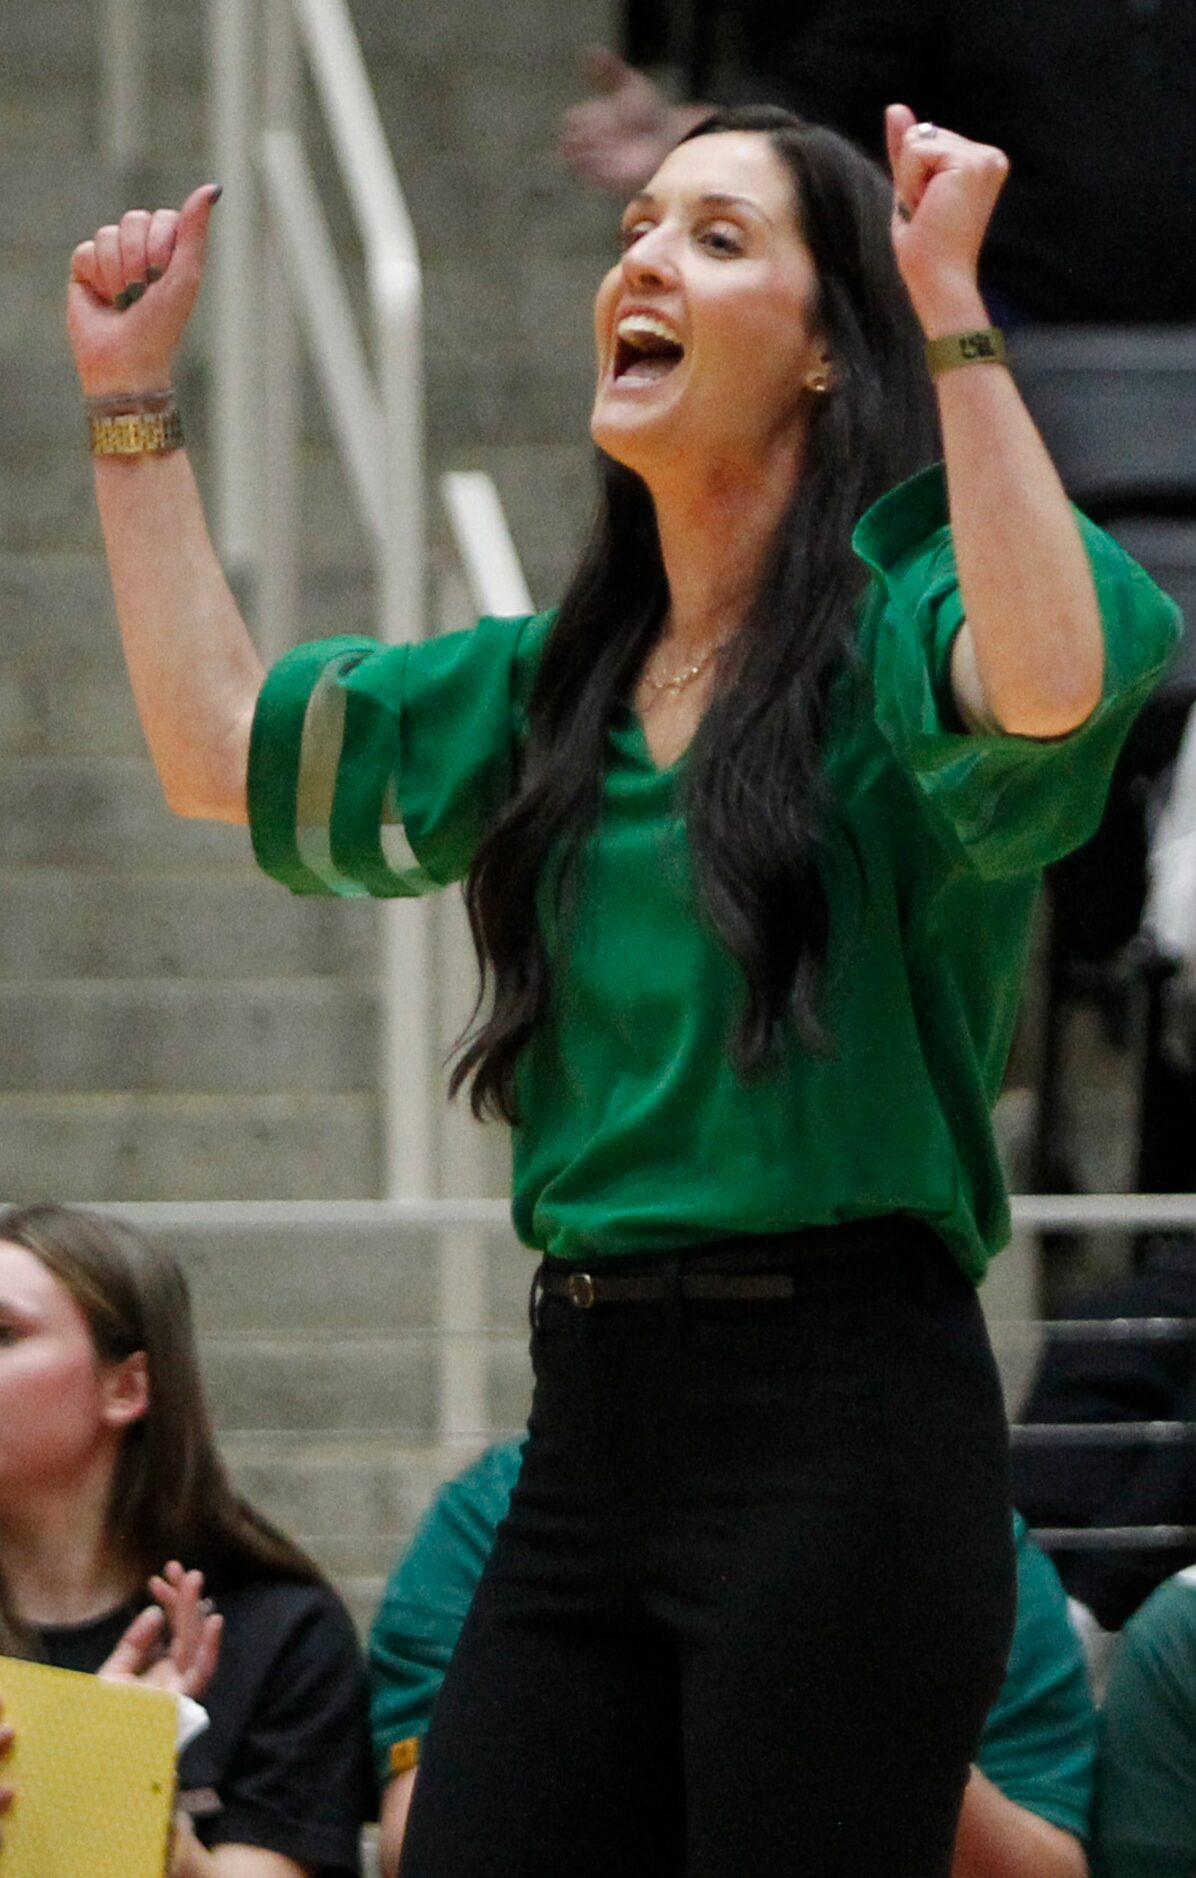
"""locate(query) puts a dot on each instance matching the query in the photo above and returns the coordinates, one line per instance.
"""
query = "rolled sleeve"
(377, 770)
(1007, 804)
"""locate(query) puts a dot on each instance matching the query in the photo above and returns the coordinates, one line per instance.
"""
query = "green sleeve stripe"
(274, 757)
(320, 746)
(368, 842)
(323, 809)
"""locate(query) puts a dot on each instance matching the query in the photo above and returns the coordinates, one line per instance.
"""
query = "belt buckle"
(581, 1291)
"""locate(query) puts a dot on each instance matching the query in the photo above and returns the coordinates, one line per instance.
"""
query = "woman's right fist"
(131, 293)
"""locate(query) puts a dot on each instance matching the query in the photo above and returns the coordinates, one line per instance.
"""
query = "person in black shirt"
(108, 1467)
(1093, 101)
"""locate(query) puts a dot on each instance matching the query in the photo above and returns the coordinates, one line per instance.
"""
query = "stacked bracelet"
(134, 423)
(986, 346)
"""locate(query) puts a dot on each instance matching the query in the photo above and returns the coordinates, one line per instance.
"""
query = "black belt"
(585, 1289)
(753, 1268)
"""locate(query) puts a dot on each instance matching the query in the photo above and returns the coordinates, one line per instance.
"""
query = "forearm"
(194, 671)
(1031, 659)
(188, 1858)
(999, 1839)
(193, 1860)
(396, 1805)
(1027, 589)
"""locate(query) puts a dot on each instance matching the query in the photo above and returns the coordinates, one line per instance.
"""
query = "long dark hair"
(754, 798)
(171, 1497)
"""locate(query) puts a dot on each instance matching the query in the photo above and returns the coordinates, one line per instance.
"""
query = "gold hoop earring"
(820, 383)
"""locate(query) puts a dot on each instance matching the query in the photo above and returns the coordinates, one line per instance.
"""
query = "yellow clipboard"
(93, 1774)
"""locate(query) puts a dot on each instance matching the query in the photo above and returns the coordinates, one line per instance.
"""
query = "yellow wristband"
(404, 1755)
(986, 346)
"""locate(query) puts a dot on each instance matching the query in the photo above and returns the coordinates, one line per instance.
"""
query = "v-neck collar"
(628, 733)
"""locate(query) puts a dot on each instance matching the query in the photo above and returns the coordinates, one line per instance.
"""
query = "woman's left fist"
(945, 190)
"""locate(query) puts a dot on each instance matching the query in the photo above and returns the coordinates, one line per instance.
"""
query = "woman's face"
(60, 1406)
(703, 328)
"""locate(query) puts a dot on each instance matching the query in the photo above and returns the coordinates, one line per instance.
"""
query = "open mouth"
(646, 350)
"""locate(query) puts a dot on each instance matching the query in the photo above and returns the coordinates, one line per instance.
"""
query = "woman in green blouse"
(751, 830)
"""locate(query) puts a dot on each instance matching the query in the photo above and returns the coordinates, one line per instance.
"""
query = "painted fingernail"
(122, 301)
(214, 194)
(134, 291)
(152, 274)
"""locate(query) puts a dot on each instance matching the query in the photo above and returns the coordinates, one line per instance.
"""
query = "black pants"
(754, 1594)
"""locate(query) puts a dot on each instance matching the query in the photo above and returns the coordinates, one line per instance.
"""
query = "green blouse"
(377, 770)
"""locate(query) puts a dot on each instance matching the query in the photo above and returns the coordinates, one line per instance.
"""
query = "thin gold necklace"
(677, 681)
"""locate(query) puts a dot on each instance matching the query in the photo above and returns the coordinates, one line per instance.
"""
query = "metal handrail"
(1031, 1211)
(376, 410)
(336, 348)
(470, 1231)
(124, 91)
(494, 584)
(493, 575)
(375, 407)
(1131, 1212)
(273, 264)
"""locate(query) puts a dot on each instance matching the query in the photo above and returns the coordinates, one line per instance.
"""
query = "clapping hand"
(175, 1642)
(173, 1645)
(945, 190)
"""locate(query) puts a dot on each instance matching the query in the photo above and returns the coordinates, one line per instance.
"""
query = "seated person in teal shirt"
(1025, 1812)
(1144, 1821)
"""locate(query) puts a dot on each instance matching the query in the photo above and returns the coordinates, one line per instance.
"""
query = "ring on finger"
(926, 129)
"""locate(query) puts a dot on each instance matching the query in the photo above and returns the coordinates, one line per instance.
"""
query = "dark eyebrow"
(713, 199)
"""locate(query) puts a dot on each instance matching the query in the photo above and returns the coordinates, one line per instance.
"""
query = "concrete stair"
(323, 1354)
(170, 1023)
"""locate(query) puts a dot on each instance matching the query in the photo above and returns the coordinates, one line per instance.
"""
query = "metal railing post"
(377, 418)
(124, 85)
(494, 584)
(234, 260)
(412, 1096)
(278, 586)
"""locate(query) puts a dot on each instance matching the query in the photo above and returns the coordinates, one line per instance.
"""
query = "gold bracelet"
(134, 424)
(985, 346)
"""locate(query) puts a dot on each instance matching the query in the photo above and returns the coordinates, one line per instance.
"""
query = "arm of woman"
(174, 1644)
(392, 1821)
(1030, 659)
(996, 1838)
(194, 671)
(190, 1859)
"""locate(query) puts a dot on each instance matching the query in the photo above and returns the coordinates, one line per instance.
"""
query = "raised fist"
(945, 190)
(131, 292)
